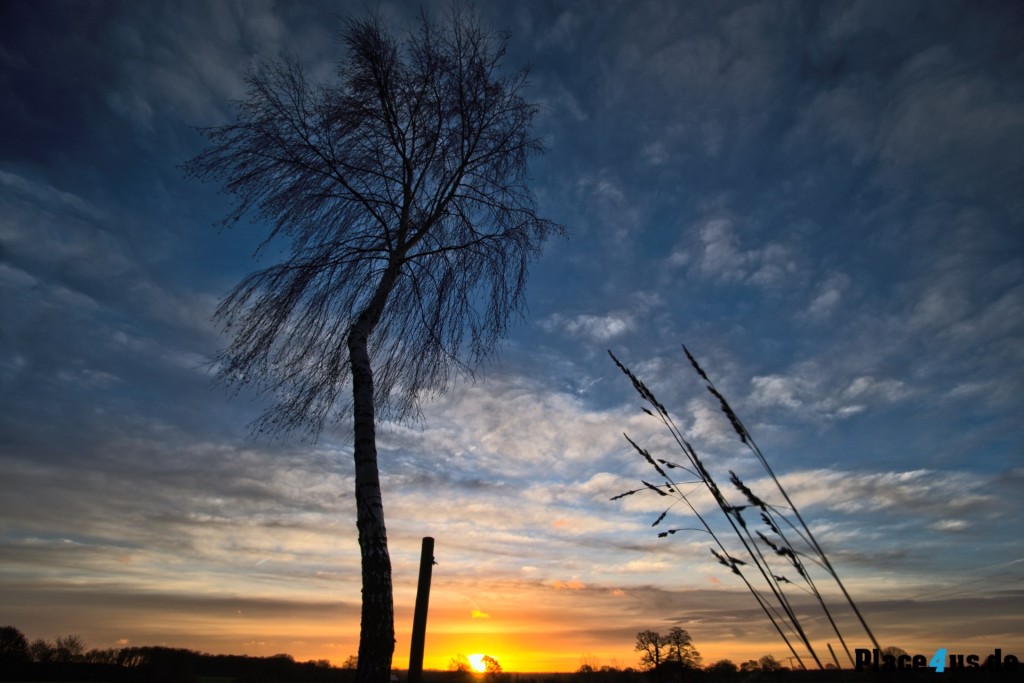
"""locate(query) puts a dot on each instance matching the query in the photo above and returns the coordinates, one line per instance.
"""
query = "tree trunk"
(377, 622)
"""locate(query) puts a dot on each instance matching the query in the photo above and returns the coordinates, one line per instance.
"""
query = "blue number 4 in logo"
(938, 660)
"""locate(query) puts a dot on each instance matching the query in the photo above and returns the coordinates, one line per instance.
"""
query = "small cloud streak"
(599, 328)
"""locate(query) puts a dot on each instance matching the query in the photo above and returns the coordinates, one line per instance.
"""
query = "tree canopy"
(404, 183)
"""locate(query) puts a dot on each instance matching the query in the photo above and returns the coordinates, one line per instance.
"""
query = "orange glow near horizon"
(552, 627)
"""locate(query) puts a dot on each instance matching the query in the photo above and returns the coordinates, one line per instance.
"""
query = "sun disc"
(477, 662)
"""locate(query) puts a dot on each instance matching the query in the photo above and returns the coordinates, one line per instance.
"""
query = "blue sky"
(821, 200)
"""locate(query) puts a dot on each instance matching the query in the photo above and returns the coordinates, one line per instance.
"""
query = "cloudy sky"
(821, 200)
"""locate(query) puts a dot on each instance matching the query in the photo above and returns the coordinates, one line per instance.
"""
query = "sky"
(821, 200)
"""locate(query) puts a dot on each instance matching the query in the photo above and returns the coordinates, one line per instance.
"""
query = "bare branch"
(416, 156)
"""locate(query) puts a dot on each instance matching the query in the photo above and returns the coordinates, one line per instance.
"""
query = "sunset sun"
(477, 662)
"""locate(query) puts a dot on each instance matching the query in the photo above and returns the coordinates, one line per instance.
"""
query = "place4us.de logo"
(940, 661)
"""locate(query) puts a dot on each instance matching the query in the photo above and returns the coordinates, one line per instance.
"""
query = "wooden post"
(419, 619)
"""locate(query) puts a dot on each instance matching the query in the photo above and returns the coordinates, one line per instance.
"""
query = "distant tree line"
(671, 658)
(67, 658)
(767, 664)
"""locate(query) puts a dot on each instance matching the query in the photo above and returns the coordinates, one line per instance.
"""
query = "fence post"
(419, 619)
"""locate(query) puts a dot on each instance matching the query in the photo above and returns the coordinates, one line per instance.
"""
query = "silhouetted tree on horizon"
(723, 667)
(768, 663)
(491, 666)
(40, 650)
(69, 648)
(673, 651)
(460, 669)
(402, 188)
(681, 650)
(13, 646)
(651, 646)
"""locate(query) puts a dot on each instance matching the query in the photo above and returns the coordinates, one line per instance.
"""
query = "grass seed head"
(695, 364)
(653, 488)
(771, 525)
(743, 488)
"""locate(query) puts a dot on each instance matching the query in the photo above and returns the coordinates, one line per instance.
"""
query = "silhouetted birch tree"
(402, 189)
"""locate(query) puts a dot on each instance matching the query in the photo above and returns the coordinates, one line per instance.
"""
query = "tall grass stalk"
(760, 550)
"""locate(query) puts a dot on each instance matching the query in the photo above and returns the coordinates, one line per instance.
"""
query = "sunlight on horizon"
(477, 662)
